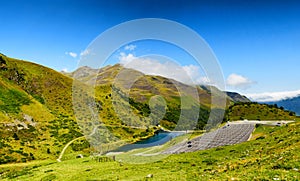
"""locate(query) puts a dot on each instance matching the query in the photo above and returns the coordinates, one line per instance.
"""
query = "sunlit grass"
(275, 156)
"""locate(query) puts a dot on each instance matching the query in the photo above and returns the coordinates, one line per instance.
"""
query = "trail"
(70, 142)
(66, 146)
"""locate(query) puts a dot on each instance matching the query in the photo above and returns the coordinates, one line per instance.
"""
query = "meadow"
(271, 154)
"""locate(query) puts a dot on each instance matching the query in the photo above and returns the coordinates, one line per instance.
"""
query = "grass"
(46, 96)
(270, 158)
(255, 111)
(12, 100)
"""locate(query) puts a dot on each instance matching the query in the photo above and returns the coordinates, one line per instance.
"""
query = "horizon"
(256, 51)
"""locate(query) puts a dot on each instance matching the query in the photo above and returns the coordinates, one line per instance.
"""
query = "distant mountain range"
(292, 104)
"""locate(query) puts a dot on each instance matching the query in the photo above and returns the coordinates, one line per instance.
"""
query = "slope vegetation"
(35, 110)
(37, 118)
(272, 154)
(37, 115)
(255, 111)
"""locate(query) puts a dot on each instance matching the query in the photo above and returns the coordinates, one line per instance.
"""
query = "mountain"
(140, 84)
(37, 106)
(179, 100)
(292, 104)
(41, 110)
(36, 115)
(236, 97)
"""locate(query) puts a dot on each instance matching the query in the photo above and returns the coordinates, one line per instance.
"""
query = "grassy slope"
(46, 96)
(144, 87)
(40, 83)
(28, 89)
(271, 154)
(254, 111)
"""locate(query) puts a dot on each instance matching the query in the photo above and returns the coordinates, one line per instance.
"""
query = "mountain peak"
(236, 97)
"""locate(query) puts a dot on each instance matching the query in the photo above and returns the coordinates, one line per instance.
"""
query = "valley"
(43, 117)
(149, 90)
(270, 154)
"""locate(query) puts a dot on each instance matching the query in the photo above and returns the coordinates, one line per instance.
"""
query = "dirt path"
(66, 146)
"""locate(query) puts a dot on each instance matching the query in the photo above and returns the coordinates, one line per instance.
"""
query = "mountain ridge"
(37, 107)
(292, 104)
(236, 97)
(83, 74)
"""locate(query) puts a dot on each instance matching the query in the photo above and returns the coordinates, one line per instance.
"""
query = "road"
(264, 122)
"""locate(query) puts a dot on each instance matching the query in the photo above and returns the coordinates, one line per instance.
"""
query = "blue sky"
(257, 43)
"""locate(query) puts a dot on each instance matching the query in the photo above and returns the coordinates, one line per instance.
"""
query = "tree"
(292, 113)
(2, 61)
(15, 136)
(2, 64)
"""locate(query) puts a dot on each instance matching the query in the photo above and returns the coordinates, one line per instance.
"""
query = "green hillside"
(35, 110)
(255, 111)
(272, 154)
(37, 104)
(37, 118)
(181, 101)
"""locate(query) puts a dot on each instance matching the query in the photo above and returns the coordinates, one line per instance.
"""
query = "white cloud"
(189, 74)
(125, 59)
(85, 52)
(239, 81)
(273, 96)
(193, 72)
(64, 70)
(72, 54)
(204, 80)
(130, 47)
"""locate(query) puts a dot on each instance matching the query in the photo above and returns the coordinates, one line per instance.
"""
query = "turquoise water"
(158, 139)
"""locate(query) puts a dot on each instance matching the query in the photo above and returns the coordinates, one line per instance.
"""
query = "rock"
(79, 156)
(149, 176)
